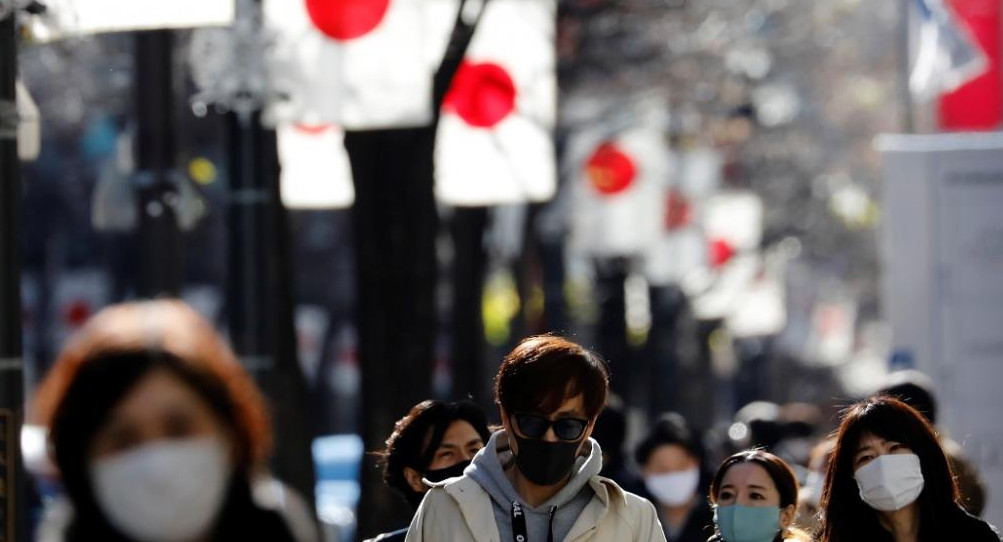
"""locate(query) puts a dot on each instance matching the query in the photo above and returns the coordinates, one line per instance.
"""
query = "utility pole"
(467, 227)
(259, 295)
(159, 250)
(12, 509)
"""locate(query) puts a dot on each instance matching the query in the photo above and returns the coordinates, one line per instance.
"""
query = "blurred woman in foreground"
(160, 435)
(755, 497)
(889, 480)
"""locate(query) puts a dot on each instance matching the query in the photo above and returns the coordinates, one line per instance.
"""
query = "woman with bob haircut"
(159, 434)
(889, 480)
(755, 497)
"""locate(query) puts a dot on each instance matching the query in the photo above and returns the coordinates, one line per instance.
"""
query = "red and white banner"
(362, 64)
(316, 173)
(495, 142)
(733, 225)
(978, 104)
(616, 191)
(680, 250)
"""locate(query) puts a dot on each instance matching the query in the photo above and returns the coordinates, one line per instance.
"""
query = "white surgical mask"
(166, 491)
(890, 482)
(673, 488)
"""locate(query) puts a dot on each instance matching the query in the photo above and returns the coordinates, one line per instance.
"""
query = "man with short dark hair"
(537, 480)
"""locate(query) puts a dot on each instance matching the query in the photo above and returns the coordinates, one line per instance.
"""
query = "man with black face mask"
(435, 441)
(537, 480)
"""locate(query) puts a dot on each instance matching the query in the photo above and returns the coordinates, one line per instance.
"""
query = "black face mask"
(545, 463)
(414, 497)
(439, 475)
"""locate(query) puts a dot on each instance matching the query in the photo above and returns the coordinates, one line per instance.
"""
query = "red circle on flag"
(346, 19)
(721, 252)
(312, 129)
(481, 94)
(610, 170)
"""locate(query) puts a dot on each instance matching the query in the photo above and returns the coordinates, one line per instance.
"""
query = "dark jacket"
(699, 526)
(395, 536)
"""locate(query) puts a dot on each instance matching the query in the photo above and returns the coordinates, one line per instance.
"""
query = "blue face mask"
(739, 523)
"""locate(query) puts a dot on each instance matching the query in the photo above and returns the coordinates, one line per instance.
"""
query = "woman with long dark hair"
(755, 497)
(889, 480)
(159, 434)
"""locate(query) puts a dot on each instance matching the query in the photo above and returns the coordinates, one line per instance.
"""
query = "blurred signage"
(495, 140)
(64, 18)
(942, 253)
(978, 104)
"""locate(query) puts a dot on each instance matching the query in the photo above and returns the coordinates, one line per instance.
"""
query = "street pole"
(259, 295)
(467, 227)
(159, 250)
(12, 509)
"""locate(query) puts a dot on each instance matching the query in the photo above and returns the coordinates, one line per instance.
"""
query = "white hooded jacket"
(462, 509)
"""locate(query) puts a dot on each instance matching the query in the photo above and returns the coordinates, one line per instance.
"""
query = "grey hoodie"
(488, 470)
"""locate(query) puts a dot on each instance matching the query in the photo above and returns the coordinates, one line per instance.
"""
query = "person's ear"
(413, 478)
(787, 516)
(506, 424)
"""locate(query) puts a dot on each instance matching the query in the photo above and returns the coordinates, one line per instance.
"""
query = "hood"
(488, 470)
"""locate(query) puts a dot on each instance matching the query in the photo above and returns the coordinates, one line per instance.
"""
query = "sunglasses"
(535, 426)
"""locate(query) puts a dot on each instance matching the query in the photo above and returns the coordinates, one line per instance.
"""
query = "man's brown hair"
(543, 371)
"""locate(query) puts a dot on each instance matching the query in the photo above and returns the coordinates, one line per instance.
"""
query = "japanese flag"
(680, 250)
(64, 18)
(733, 223)
(359, 63)
(316, 173)
(495, 143)
(616, 192)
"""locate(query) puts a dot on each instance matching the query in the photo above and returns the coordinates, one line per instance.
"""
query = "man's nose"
(550, 435)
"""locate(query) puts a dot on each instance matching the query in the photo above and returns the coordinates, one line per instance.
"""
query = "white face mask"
(890, 482)
(673, 488)
(166, 491)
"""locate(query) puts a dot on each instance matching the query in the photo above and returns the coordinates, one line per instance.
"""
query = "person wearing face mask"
(434, 441)
(537, 480)
(671, 457)
(889, 479)
(755, 495)
(159, 435)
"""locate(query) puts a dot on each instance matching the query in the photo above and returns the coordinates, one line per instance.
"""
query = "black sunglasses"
(535, 426)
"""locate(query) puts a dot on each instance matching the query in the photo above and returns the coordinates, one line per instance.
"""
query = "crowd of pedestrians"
(158, 434)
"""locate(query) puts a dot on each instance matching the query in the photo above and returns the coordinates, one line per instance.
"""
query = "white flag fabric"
(64, 18)
(362, 64)
(616, 191)
(316, 173)
(495, 141)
